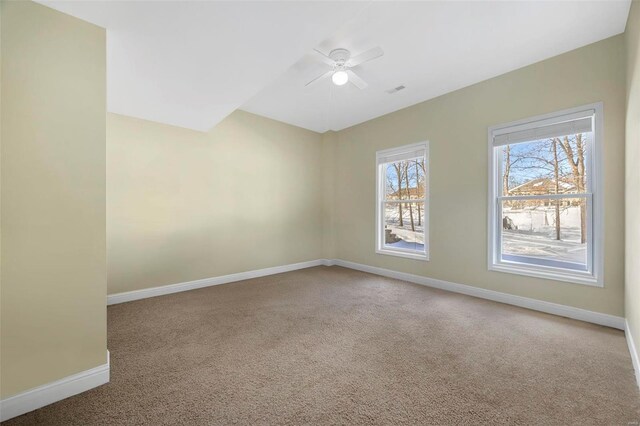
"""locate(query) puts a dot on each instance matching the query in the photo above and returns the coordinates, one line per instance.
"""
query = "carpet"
(329, 345)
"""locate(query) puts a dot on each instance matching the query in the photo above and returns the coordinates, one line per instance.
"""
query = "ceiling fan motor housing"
(340, 56)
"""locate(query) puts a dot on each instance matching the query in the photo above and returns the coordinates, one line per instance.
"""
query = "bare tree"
(557, 159)
(418, 188)
(556, 174)
(535, 159)
(576, 161)
(507, 170)
(405, 165)
(399, 171)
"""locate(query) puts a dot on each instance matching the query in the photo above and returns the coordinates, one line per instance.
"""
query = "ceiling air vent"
(395, 89)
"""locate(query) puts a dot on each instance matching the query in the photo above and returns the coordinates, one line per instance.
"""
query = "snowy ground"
(543, 245)
(407, 245)
(534, 238)
(412, 240)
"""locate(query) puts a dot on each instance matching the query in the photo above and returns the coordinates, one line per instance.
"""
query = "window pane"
(548, 166)
(404, 226)
(545, 232)
(405, 179)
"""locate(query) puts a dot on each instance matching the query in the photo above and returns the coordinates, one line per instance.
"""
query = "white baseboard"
(55, 391)
(524, 302)
(633, 351)
(80, 382)
(129, 296)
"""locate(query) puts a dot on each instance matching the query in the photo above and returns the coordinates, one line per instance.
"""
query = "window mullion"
(544, 196)
(413, 200)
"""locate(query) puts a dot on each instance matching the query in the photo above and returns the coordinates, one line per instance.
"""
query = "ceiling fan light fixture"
(340, 78)
(341, 62)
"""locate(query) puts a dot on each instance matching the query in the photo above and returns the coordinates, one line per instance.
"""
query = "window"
(402, 209)
(545, 207)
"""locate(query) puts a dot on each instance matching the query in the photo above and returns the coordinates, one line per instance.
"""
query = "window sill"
(582, 278)
(405, 254)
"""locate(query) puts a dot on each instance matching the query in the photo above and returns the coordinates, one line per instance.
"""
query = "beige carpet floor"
(336, 346)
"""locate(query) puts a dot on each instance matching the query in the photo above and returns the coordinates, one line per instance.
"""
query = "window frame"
(381, 200)
(594, 196)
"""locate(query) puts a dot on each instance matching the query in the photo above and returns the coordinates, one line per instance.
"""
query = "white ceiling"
(191, 64)
(432, 48)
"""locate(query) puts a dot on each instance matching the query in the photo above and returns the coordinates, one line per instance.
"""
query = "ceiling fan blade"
(357, 81)
(324, 58)
(370, 54)
(318, 78)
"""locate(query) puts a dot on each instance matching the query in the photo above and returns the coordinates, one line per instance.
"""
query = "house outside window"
(545, 196)
(402, 207)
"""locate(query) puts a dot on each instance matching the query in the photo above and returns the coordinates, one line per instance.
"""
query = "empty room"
(319, 212)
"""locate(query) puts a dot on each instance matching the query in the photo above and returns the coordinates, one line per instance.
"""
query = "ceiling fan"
(341, 62)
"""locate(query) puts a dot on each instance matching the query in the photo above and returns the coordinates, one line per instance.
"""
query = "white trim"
(510, 299)
(55, 391)
(406, 253)
(546, 272)
(597, 188)
(537, 130)
(420, 149)
(544, 120)
(129, 296)
(594, 276)
(524, 302)
(80, 382)
(405, 152)
(635, 360)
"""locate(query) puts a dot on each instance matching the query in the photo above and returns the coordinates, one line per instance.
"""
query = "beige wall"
(184, 205)
(53, 196)
(329, 145)
(456, 126)
(632, 278)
